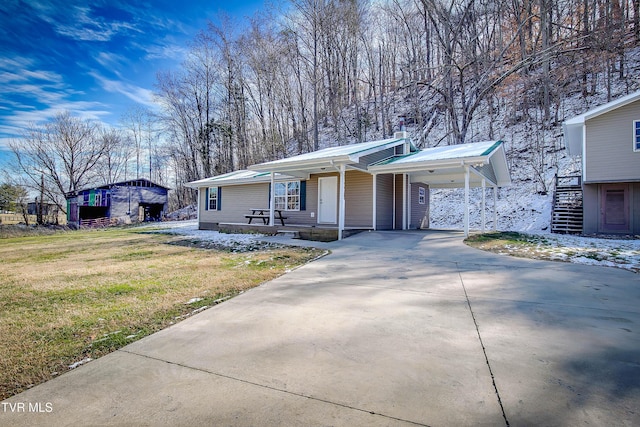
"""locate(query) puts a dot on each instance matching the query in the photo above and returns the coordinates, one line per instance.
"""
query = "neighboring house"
(377, 185)
(48, 209)
(608, 139)
(136, 200)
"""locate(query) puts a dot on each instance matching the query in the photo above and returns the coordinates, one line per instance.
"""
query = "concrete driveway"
(392, 328)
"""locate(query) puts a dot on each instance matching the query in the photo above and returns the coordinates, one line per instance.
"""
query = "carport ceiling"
(446, 178)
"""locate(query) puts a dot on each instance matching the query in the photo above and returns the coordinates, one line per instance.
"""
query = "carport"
(482, 164)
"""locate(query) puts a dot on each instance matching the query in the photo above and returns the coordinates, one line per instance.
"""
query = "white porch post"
(484, 201)
(375, 201)
(272, 199)
(495, 208)
(466, 201)
(342, 208)
(404, 201)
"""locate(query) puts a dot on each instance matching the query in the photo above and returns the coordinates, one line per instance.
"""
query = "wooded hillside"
(327, 72)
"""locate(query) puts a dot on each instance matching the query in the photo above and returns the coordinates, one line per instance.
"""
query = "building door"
(614, 209)
(327, 200)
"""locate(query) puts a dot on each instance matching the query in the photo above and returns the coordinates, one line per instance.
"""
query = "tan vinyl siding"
(384, 208)
(358, 199)
(419, 213)
(398, 201)
(590, 209)
(635, 208)
(609, 155)
(237, 201)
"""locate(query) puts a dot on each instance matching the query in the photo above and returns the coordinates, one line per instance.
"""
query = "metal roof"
(444, 167)
(236, 178)
(318, 161)
(440, 167)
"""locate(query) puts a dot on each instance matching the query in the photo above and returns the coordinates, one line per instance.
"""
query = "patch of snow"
(81, 362)
(189, 229)
(192, 300)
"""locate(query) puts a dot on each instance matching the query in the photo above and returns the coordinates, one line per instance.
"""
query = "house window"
(636, 135)
(422, 196)
(287, 196)
(213, 198)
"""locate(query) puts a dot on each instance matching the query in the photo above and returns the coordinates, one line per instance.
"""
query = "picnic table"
(263, 214)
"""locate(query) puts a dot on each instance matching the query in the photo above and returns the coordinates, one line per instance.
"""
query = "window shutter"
(206, 199)
(303, 195)
(269, 199)
(219, 201)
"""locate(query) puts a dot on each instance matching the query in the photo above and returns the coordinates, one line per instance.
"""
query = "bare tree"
(64, 151)
(112, 166)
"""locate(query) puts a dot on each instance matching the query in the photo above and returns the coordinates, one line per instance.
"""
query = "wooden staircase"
(566, 216)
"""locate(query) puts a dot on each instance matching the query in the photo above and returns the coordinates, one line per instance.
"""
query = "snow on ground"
(576, 249)
(189, 230)
(593, 251)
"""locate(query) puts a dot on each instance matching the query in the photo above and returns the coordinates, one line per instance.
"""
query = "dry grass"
(511, 243)
(73, 295)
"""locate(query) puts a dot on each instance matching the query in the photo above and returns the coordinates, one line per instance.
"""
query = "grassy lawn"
(73, 295)
(512, 243)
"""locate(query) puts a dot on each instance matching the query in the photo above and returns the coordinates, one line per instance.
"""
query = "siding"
(609, 153)
(384, 208)
(398, 206)
(237, 201)
(358, 196)
(419, 213)
(635, 208)
(127, 199)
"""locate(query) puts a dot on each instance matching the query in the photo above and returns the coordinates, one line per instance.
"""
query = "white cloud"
(137, 94)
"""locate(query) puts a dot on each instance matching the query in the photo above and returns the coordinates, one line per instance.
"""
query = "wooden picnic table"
(263, 214)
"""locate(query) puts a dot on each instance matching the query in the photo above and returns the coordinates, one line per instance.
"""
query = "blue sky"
(93, 58)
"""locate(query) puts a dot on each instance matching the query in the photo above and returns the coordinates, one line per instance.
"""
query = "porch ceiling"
(448, 178)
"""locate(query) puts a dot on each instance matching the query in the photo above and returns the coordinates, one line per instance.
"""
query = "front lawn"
(72, 296)
(608, 252)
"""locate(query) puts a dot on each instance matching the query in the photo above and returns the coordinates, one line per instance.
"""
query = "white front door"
(328, 200)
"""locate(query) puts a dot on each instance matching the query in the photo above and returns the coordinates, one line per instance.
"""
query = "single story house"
(376, 185)
(135, 200)
(608, 139)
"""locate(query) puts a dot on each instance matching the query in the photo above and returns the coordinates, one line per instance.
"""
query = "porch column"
(484, 201)
(341, 202)
(495, 208)
(375, 201)
(466, 201)
(272, 200)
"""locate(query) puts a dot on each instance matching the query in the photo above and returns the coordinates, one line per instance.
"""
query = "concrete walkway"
(392, 328)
